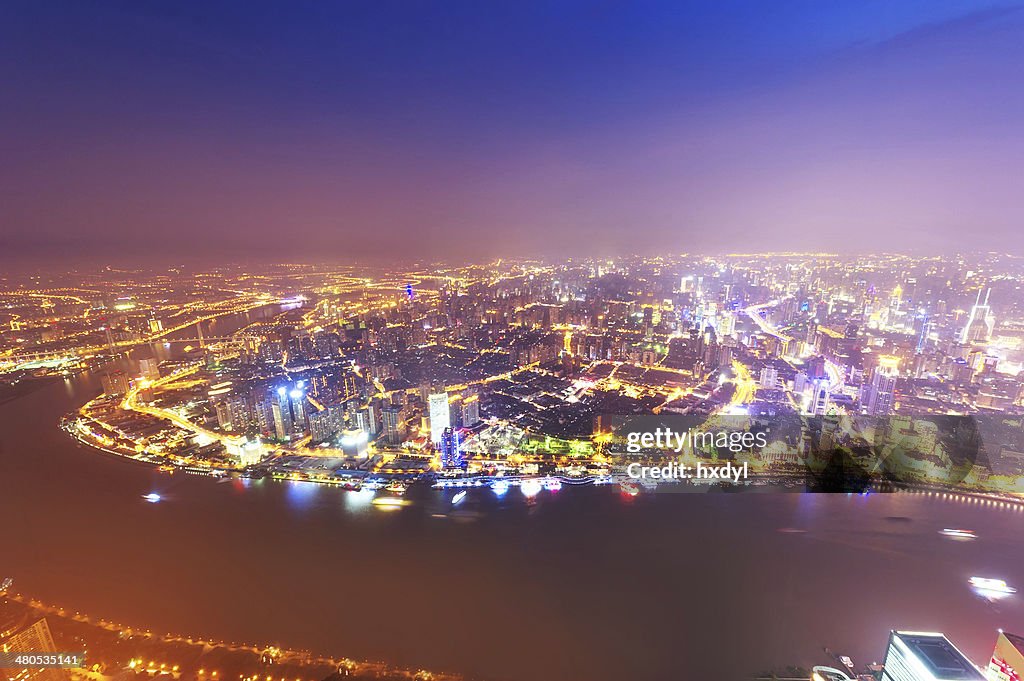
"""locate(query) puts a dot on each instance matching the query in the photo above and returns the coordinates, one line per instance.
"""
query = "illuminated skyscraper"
(913, 656)
(33, 639)
(394, 425)
(297, 397)
(371, 419)
(149, 368)
(361, 420)
(896, 299)
(880, 395)
(926, 328)
(471, 411)
(820, 396)
(451, 457)
(282, 414)
(116, 383)
(440, 416)
(980, 322)
(1007, 662)
(325, 424)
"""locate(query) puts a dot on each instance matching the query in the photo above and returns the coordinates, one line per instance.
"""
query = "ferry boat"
(552, 484)
(396, 487)
(955, 533)
(992, 586)
(629, 488)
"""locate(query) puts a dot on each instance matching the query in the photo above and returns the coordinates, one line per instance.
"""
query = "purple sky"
(467, 130)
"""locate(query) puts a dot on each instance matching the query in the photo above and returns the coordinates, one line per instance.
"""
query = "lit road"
(131, 402)
(12, 359)
(754, 313)
(746, 386)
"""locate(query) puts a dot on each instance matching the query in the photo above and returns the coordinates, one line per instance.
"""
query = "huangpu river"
(582, 583)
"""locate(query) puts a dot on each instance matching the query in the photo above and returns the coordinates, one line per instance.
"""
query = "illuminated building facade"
(394, 425)
(880, 395)
(355, 443)
(282, 414)
(440, 415)
(914, 656)
(451, 456)
(116, 383)
(325, 424)
(149, 368)
(820, 396)
(33, 639)
(471, 411)
(1007, 662)
(980, 322)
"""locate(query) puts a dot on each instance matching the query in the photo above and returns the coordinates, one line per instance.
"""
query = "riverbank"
(114, 649)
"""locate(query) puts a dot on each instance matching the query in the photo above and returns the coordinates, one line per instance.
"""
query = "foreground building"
(916, 656)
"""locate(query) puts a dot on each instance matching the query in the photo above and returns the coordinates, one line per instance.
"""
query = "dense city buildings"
(335, 374)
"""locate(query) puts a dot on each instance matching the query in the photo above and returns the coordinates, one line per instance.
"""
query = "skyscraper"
(325, 424)
(297, 397)
(1007, 661)
(926, 327)
(980, 322)
(451, 457)
(913, 656)
(33, 639)
(820, 396)
(394, 425)
(282, 414)
(471, 411)
(115, 383)
(149, 368)
(881, 393)
(440, 417)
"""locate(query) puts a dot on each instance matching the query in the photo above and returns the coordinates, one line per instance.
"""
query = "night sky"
(465, 130)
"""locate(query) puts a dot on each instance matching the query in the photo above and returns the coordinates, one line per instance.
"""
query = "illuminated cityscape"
(534, 341)
(343, 377)
(513, 373)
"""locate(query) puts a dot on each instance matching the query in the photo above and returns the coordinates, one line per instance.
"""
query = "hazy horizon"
(466, 132)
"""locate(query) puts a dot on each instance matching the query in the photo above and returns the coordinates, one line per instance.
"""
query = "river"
(581, 584)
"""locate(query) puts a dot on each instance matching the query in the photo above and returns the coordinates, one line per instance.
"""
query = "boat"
(992, 586)
(152, 497)
(396, 487)
(530, 487)
(458, 498)
(552, 484)
(955, 533)
(629, 488)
